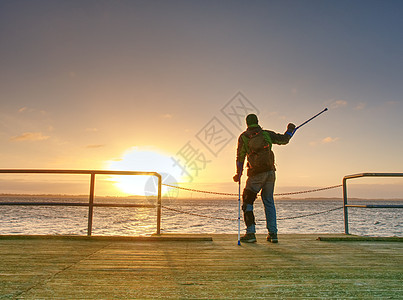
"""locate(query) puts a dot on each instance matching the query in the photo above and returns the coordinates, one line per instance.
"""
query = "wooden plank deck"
(299, 266)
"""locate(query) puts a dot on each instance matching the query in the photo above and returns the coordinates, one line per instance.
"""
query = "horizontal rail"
(372, 175)
(77, 204)
(90, 203)
(375, 206)
(345, 201)
(77, 172)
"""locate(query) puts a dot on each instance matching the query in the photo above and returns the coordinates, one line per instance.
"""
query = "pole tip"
(239, 243)
(325, 109)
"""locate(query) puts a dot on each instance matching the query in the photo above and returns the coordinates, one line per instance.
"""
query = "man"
(256, 144)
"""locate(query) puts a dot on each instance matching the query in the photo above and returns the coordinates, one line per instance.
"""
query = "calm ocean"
(201, 216)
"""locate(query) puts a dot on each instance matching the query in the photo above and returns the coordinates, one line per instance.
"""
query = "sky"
(165, 86)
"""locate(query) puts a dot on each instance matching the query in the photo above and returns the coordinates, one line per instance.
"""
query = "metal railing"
(346, 205)
(91, 204)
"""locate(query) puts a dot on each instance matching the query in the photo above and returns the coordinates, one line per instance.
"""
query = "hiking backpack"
(258, 149)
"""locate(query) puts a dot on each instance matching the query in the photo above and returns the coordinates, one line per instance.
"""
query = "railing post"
(159, 204)
(345, 206)
(91, 204)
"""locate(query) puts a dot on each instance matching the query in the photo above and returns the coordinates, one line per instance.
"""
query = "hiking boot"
(272, 238)
(248, 238)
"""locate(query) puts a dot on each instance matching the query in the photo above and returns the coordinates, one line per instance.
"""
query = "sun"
(144, 160)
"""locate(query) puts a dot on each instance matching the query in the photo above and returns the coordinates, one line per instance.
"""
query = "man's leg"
(248, 198)
(252, 187)
(269, 207)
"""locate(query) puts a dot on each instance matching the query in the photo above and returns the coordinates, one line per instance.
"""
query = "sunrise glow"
(136, 159)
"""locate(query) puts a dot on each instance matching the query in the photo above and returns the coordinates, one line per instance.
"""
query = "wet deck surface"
(299, 266)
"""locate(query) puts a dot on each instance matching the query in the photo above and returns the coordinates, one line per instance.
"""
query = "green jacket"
(243, 149)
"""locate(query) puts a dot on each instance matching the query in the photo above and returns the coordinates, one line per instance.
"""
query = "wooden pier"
(201, 267)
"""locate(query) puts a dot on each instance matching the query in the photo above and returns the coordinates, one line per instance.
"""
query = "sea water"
(195, 216)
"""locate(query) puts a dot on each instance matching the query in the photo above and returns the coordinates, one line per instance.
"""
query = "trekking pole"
(239, 212)
(308, 121)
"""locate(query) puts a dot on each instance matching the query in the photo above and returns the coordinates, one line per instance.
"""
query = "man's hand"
(290, 129)
(237, 177)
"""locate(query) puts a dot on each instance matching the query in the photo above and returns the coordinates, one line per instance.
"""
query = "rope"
(198, 215)
(233, 219)
(312, 214)
(199, 191)
(310, 191)
(231, 194)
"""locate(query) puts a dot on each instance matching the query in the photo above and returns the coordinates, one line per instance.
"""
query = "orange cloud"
(329, 140)
(326, 140)
(338, 103)
(30, 136)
